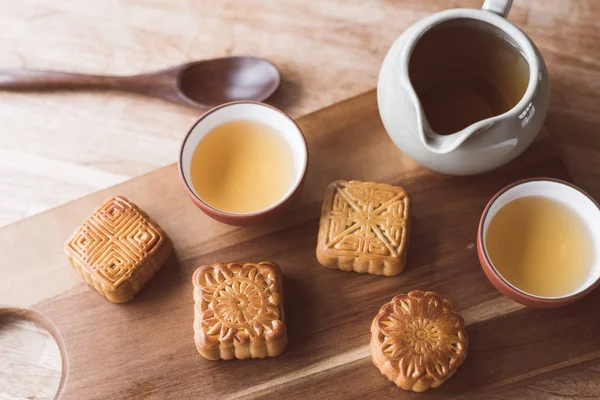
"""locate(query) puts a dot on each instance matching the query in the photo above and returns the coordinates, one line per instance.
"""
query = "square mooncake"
(238, 311)
(364, 228)
(118, 249)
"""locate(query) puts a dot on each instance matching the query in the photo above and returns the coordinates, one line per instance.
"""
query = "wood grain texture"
(145, 349)
(58, 147)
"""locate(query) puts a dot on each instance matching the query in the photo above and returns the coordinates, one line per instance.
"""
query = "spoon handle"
(37, 80)
(161, 84)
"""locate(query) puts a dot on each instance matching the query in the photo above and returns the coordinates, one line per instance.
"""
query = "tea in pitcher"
(464, 71)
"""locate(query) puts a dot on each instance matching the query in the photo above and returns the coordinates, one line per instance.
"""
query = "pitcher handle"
(500, 7)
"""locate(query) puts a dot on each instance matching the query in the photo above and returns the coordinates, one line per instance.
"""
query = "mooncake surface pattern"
(118, 249)
(239, 311)
(364, 227)
(418, 340)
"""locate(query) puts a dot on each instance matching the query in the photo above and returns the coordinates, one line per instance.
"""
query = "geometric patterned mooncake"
(238, 311)
(118, 249)
(364, 228)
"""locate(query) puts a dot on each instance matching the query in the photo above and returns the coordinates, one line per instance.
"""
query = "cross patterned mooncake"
(364, 228)
(118, 249)
(238, 311)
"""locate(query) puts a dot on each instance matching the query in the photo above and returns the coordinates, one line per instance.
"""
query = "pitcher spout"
(444, 144)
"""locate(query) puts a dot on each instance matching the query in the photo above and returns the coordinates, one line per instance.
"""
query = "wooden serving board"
(145, 349)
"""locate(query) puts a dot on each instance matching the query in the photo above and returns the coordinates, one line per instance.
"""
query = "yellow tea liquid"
(242, 167)
(541, 246)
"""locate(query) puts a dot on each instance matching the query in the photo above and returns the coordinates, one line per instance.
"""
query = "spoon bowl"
(231, 79)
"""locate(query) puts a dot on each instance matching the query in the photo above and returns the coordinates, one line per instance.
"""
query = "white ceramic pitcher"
(485, 144)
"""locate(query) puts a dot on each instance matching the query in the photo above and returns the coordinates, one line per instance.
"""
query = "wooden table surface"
(57, 147)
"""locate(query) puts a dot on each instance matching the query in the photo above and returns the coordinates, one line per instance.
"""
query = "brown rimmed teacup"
(253, 111)
(557, 190)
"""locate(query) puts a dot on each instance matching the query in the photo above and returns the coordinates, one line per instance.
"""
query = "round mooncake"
(418, 340)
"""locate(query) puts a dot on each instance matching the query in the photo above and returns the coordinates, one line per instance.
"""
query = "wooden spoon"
(202, 84)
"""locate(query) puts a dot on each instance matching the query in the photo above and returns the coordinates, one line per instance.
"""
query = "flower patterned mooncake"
(118, 249)
(238, 311)
(418, 340)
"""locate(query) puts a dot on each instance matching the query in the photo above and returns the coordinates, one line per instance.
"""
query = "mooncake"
(238, 311)
(418, 340)
(364, 228)
(118, 249)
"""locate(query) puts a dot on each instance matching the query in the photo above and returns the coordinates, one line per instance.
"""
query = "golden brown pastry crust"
(418, 340)
(238, 311)
(364, 228)
(118, 249)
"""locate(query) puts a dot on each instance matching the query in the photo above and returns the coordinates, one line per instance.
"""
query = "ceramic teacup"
(579, 201)
(245, 111)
